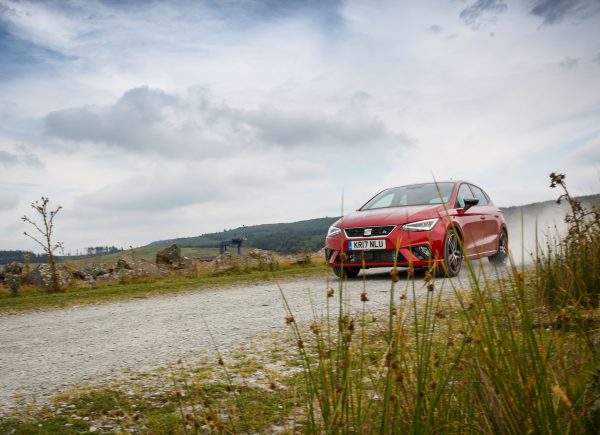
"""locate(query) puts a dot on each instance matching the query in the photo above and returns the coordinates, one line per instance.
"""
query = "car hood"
(390, 216)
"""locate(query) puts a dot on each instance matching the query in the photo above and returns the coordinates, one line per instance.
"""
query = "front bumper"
(402, 248)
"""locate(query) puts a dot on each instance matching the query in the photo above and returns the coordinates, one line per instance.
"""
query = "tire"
(453, 257)
(499, 258)
(346, 272)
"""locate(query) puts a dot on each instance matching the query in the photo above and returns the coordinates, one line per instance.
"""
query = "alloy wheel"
(453, 255)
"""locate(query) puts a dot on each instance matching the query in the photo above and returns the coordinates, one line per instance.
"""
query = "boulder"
(91, 271)
(170, 256)
(300, 260)
(125, 263)
(10, 273)
(42, 277)
(13, 268)
(261, 255)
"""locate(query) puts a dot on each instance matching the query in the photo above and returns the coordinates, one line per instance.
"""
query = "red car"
(421, 225)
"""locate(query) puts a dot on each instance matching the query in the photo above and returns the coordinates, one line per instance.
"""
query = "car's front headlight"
(425, 225)
(333, 231)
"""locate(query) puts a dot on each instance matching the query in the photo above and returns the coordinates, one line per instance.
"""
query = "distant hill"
(309, 235)
(285, 238)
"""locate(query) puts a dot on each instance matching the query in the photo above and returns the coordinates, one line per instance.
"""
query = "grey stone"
(170, 256)
(42, 277)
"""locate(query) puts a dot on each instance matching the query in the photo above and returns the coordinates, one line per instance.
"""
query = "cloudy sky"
(156, 119)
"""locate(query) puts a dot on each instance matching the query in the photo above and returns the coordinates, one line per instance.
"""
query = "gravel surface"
(44, 352)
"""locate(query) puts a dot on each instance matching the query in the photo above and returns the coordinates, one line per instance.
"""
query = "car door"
(489, 220)
(467, 220)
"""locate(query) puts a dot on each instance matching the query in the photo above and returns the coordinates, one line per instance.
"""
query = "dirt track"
(41, 353)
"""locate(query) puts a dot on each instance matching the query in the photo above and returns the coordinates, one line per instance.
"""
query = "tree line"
(8, 256)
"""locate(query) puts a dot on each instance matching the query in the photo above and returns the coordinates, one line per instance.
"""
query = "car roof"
(432, 182)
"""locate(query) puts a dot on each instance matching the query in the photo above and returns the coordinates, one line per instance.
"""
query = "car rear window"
(417, 194)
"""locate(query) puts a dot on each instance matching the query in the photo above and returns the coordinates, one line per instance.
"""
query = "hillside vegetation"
(285, 238)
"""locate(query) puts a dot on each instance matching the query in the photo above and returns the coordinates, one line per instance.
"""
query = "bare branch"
(26, 219)
(37, 241)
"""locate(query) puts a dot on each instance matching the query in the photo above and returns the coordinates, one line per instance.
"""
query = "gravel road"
(42, 353)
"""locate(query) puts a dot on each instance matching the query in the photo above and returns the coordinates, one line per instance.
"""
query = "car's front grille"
(370, 231)
(382, 256)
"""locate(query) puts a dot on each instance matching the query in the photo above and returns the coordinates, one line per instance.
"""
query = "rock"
(257, 258)
(13, 268)
(125, 263)
(300, 260)
(261, 255)
(91, 271)
(170, 256)
(42, 277)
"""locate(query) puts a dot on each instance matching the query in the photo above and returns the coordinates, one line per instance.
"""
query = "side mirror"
(470, 202)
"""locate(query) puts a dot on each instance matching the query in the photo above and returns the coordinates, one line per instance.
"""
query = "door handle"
(482, 217)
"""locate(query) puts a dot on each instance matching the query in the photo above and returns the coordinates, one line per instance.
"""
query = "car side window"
(463, 192)
(479, 195)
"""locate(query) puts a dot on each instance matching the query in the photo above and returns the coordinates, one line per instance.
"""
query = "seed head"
(559, 392)
(364, 297)
(430, 287)
(301, 344)
(519, 277)
(410, 272)
(221, 362)
(289, 320)
(343, 256)
(330, 292)
(428, 277)
(433, 385)
(556, 179)
(315, 328)
(394, 275)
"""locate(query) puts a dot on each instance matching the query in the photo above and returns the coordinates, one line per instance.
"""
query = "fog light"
(422, 252)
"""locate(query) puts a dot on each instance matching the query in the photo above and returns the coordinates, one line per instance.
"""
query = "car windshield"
(417, 194)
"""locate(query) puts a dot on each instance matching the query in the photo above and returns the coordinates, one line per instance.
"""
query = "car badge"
(368, 231)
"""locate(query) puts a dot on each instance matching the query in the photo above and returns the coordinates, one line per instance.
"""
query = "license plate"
(365, 245)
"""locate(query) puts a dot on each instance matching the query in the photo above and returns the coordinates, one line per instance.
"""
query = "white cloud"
(147, 120)
(180, 117)
(8, 201)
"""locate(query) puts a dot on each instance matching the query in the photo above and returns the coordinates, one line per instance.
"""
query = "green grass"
(35, 298)
(146, 253)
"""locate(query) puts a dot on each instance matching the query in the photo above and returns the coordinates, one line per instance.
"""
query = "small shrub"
(14, 283)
